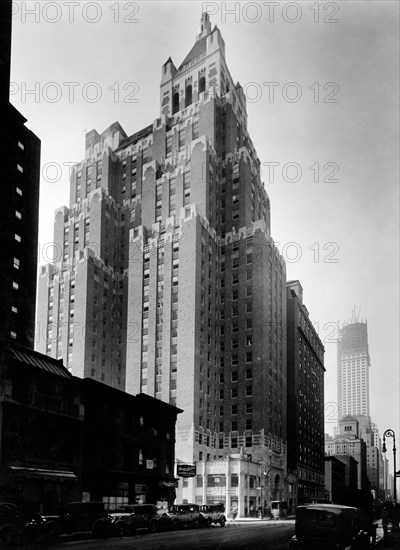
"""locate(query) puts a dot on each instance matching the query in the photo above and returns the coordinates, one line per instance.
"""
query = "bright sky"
(322, 86)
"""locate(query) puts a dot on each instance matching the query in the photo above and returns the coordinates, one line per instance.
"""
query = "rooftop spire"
(205, 25)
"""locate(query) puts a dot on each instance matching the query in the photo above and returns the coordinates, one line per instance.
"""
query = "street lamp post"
(390, 433)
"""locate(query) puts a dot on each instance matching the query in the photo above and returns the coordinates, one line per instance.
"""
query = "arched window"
(202, 84)
(188, 96)
(175, 102)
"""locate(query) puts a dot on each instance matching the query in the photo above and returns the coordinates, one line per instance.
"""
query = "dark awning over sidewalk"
(42, 473)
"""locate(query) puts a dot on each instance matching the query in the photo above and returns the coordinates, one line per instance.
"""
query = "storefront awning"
(40, 473)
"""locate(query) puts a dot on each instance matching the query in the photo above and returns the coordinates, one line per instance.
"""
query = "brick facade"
(179, 231)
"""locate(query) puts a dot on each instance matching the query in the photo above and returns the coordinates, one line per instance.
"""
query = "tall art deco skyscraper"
(167, 280)
(353, 369)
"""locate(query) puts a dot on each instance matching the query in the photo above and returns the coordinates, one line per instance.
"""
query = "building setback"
(167, 281)
(20, 169)
(305, 401)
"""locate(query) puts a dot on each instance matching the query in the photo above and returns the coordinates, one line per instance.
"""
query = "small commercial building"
(41, 429)
(128, 451)
(65, 439)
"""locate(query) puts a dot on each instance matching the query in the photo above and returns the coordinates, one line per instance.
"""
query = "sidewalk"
(270, 521)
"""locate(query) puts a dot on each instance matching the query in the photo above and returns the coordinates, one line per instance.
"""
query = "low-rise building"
(129, 447)
(41, 429)
(238, 482)
(349, 442)
(335, 473)
(64, 439)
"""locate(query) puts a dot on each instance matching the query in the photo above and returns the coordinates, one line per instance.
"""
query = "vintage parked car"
(130, 517)
(78, 517)
(19, 526)
(213, 513)
(11, 523)
(329, 527)
(186, 515)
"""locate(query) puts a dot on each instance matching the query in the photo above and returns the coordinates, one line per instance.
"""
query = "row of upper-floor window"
(17, 213)
(16, 261)
(188, 99)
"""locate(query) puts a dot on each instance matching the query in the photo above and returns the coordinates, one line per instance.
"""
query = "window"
(18, 214)
(195, 129)
(15, 285)
(182, 134)
(188, 96)
(202, 84)
(21, 145)
(19, 168)
(16, 263)
(175, 103)
(18, 190)
(168, 148)
(17, 237)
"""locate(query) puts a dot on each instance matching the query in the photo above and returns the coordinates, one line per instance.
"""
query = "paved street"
(240, 536)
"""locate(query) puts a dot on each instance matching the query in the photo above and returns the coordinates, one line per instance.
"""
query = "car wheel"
(196, 524)
(120, 528)
(176, 525)
(153, 527)
(100, 529)
(9, 534)
(222, 522)
(51, 531)
(208, 522)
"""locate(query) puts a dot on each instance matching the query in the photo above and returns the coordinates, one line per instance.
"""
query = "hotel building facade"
(167, 281)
